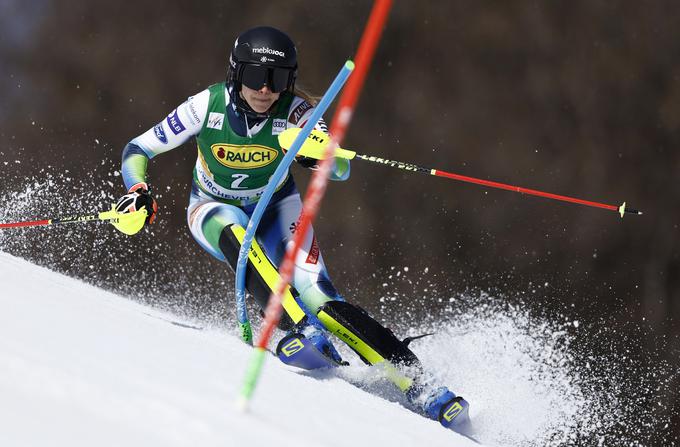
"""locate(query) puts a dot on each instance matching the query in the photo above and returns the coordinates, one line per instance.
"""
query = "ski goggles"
(277, 79)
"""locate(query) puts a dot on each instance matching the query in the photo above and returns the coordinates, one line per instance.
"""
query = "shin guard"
(374, 343)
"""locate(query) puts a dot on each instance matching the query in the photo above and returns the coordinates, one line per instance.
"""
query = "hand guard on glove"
(138, 197)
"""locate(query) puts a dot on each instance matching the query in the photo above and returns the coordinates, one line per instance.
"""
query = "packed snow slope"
(81, 367)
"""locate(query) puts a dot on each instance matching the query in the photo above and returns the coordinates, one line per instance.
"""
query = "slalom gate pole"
(314, 147)
(281, 170)
(128, 223)
(316, 190)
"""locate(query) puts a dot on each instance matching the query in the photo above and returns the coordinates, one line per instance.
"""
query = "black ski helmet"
(261, 56)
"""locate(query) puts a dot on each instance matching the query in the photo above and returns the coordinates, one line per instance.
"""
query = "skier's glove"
(306, 162)
(138, 197)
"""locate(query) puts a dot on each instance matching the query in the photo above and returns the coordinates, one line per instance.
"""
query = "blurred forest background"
(577, 98)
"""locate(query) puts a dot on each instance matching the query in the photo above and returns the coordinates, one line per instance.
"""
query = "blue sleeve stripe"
(133, 166)
(135, 147)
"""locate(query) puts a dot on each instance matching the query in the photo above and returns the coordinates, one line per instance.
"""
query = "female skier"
(236, 125)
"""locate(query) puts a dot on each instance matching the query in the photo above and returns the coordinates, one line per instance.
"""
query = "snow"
(80, 366)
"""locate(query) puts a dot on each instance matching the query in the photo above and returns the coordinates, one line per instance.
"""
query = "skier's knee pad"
(261, 275)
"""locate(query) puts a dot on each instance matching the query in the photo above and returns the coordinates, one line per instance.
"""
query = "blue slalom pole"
(241, 311)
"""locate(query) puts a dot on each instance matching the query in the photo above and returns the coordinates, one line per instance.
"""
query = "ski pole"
(128, 223)
(317, 141)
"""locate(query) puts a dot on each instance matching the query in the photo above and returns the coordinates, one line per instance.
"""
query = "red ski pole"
(316, 142)
(129, 223)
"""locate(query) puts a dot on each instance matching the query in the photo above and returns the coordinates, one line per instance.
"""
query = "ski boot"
(308, 348)
(450, 410)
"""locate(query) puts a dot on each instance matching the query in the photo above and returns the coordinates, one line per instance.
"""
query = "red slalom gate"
(318, 183)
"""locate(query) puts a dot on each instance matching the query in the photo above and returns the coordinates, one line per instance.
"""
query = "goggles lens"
(277, 79)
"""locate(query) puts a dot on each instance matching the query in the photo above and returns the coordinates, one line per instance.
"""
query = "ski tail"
(377, 345)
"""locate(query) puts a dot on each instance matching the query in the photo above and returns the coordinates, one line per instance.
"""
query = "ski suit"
(236, 157)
